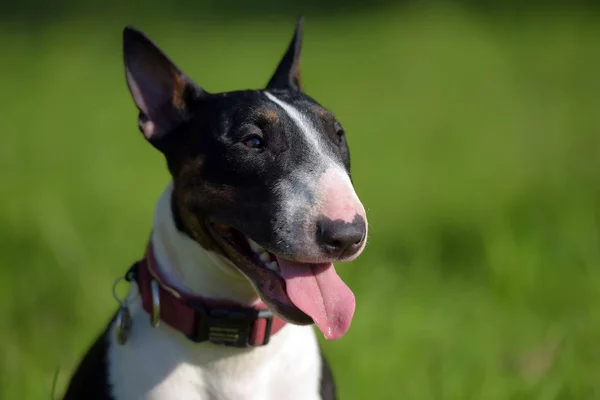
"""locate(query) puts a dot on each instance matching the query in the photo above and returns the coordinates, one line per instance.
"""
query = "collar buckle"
(229, 326)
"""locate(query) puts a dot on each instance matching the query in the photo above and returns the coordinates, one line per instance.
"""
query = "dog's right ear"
(287, 74)
(159, 89)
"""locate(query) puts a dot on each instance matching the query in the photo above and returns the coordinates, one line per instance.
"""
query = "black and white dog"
(239, 264)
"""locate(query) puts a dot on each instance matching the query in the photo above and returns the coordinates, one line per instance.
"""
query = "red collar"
(200, 319)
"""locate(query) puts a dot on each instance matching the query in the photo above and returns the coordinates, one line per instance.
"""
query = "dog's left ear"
(160, 90)
(287, 74)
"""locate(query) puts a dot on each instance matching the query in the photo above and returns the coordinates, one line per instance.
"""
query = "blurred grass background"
(475, 140)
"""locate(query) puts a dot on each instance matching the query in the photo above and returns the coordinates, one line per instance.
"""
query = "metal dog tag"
(123, 324)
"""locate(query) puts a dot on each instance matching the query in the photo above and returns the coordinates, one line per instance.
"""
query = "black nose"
(341, 239)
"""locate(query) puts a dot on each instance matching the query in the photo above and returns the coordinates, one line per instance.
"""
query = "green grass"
(475, 150)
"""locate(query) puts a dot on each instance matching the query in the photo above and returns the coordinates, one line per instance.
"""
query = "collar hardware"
(155, 315)
(229, 326)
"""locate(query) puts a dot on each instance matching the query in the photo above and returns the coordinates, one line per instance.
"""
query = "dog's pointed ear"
(287, 74)
(159, 89)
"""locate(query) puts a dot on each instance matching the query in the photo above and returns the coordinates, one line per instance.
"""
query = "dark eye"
(340, 135)
(254, 142)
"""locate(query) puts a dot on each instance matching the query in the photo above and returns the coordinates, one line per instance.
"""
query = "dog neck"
(191, 269)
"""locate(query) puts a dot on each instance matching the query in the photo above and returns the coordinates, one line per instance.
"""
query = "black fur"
(327, 386)
(90, 380)
(203, 137)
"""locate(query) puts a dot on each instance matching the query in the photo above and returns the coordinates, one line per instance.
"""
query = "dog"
(239, 264)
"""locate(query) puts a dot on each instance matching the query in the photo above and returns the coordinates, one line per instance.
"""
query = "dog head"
(260, 176)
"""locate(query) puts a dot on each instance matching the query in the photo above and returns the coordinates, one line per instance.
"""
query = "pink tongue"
(319, 292)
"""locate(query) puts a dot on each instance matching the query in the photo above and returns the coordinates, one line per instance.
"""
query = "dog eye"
(340, 135)
(254, 142)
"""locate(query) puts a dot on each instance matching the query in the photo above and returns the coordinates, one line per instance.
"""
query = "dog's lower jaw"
(189, 267)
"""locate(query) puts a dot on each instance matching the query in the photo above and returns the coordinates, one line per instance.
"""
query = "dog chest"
(158, 363)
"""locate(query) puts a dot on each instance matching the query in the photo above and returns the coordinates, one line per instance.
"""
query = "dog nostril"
(340, 239)
(334, 243)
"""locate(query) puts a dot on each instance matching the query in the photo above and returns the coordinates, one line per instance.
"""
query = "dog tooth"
(255, 246)
(264, 256)
(273, 266)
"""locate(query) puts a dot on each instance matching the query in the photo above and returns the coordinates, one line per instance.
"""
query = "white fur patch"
(303, 123)
(335, 196)
(161, 363)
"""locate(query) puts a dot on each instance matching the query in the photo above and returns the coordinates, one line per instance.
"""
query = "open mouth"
(301, 293)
